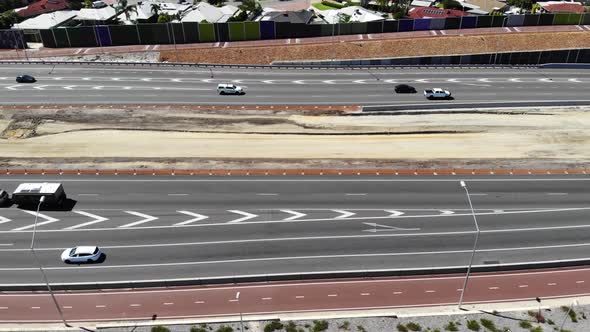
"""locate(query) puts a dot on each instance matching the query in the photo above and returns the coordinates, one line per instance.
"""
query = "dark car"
(404, 88)
(4, 198)
(25, 79)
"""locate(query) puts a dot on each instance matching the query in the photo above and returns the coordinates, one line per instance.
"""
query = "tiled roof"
(425, 12)
(41, 7)
(570, 7)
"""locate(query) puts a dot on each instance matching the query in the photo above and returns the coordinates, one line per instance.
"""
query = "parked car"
(82, 254)
(25, 79)
(230, 89)
(404, 88)
(437, 93)
(4, 198)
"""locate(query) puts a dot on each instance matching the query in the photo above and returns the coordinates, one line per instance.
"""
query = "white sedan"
(82, 254)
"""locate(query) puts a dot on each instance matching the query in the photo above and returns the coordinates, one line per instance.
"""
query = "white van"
(230, 89)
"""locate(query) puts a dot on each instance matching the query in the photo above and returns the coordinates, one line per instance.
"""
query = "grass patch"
(451, 326)
(414, 326)
(361, 328)
(291, 327)
(160, 328)
(321, 6)
(344, 326)
(320, 325)
(473, 325)
(273, 326)
(525, 324)
(198, 329)
(401, 328)
(537, 329)
(488, 324)
(225, 328)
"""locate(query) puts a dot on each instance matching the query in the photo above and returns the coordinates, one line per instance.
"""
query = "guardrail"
(248, 66)
(377, 273)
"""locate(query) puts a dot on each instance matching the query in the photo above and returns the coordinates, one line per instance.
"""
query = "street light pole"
(240, 309)
(61, 315)
(474, 244)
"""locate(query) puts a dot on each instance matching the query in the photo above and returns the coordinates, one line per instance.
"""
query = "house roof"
(421, 3)
(486, 6)
(143, 11)
(41, 7)
(300, 16)
(562, 7)
(434, 12)
(96, 14)
(47, 21)
(206, 12)
(356, 13)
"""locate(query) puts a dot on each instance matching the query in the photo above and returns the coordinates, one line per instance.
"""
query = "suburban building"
(483, 7)
(140, 13)
(96, 16)
(173, 9)
(204, 12)
(41, 7)
(351, 14)
(300, 16)
(561, 7)
(32, 26)
(434, 12)
(421, 3)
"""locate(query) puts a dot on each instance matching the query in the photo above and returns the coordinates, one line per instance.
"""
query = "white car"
(82, 254)
(230, 89)
(437, 93)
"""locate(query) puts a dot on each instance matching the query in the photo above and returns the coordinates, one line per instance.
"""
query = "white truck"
(27, 194)
(437, 93)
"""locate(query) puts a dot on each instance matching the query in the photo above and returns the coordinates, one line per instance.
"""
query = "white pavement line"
(523, 286)
(156, 47)
(498, 211)
(147, 47)
(289, 41)
(48, 220)
(433, 32)
(299, 297)
(216, 44)
(579, 28)
(267, 194)
(332, 295)
(587, 27)
(365, 294)
(551, 284)
(100, 306)
(86, 51)
(478, 194)
(245, 214)
(199, 302)
(443, 32)
(6, 244)
(360, 37)
(80, 50)
(178, 194)
(135, 305)
(446, 212)
(517, 29)
(556, 194)
(430, 291)
(266, 298)
(96, 220)
(224, 45)
(494, 288)
(168, 303)
(507, 29)
(4, 220)
(356, 194)
(3, 308)
(67, 307)
(297, 40)
(369, 36)
(35, 307)
(147, 218)
(397, 293)
(232, 300)
(344, 214)
(394, 213)
(197, 217)
(295, 215)
(580, 282)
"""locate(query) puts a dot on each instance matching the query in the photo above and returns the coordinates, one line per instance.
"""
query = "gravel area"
(108, 57)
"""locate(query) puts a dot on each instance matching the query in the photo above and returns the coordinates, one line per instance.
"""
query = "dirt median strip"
(294, 108)
(295, 172)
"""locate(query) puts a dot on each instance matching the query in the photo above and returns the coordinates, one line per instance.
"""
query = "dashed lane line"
(299, 297)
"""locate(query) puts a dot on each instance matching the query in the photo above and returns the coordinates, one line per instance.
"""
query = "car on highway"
(4, 198)
(230, 89)
(81, 254)
(404, 88)
(25, 79)
(437, 93)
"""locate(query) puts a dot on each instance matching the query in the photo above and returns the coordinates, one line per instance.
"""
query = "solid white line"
(580, 282)
(551, 284)
(168, 303)
(266, 194)
(48, 220)
(3, 308)
(430, 291)
(523, 286)
(233, 300)
(100, 306)
(493, 288)
(6, 244)
(478, 194)
(67, 307)
(35, 307)
(557, 194)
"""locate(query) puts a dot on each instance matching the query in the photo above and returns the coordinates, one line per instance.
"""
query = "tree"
(155, 8)
(215, 2)
(164, 18)
(451, 4)
(523, 4)
(8, 18)
(250, 6)
(87, 3)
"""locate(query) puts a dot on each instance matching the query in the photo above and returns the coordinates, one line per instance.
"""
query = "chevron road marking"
(394, 213)
(294, 216)
(446, 212)
(197, 217)
(4, 220)
(96, 220)
(48, 220)
(344, 214)
(245, 214)
(147, 218)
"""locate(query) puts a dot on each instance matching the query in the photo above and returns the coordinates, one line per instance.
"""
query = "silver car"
(82, 254)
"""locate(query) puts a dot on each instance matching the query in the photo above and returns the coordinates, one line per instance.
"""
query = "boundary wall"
(192, 32)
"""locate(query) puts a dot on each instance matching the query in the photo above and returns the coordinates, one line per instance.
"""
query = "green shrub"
(160, 328)
(488, 324)
(361, 328)
(320, 325)
(451, 327)
(414, 326)
(225, 328)
(573, 316)
(273, 326)
(550, 322)
(436, 330)
(525, 324)
(291, 327)
(537, 329)
(473, 325)
(198, 329)
(401, 327)
(344, 326)
(333, 4)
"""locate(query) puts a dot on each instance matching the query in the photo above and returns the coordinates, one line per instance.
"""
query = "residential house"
(561, 7)
(300, 16)
(41, 7)
(351, 14)
(483, 7)
(434, 12)
(204, 12)
(96, 16)
(32, 26)
(141, 13)
(173, 9)
(421, 3)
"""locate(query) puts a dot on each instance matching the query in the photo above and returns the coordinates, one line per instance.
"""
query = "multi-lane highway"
(75, 84)
(156, 228)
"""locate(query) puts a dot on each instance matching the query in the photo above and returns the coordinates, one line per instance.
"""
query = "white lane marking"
(147, 47)
(295, 215)
(135, 305)
(48, 220)
(443, 32)
(365, 294)
(556, 194)
(344, 214)
(70, 87)
(100, 306)
(199, 302)
(430, 291)
(197, 217)
(394, 213)
(35, 307)
(446, 212)
(266, 194)
(478, 194)
(87, 50)
(498, 211)
(397, 293)
(551, 284)
(385, 228)
(580, 282)
(356, 194)
(67, 307)
(579, 28)
(168, 303)
(494, 288)
(523, 286)
(6, 244)
(178, 194)
(96, 220)
(533, 179)
(299, 297)
(3, 308)
(245, 214)
(517, 29)
(4, 220)
(332, 295)
(87, 194)
(233, 300)
(80, 50)
(433, 32)
(266, 298)
(146, 218)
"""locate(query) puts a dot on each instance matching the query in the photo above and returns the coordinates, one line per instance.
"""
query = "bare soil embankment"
(187, 139)
(449, 45)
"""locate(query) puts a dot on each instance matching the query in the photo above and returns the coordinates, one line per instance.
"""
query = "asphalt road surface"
(154, 228)
(150, 85)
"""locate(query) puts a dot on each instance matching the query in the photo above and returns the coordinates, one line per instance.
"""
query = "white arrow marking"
(328, 82)
(96, 220)
(452, 80)
(422, 80)
(115, 78)
(517, 80)
(359, 81)
(197, 217)
(176, 80)
(386, 228)
(344, 214)
(4, 219)
(294, 216)
(99, 87)
(86, 78)
(127, 88)
(446, 212)
(485, 80)
(40, 87)
(147, 218)
(391, 81)
(394, 213)
(574, 80)
(546, 80)
(498, 211)
(245, 214)
(57, 78)
(48, 220)
(298, 82)
(12, 87)
(146, 79)
(268, 81)
(69, 87)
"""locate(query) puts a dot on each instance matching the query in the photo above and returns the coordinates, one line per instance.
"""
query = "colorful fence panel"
(103, 35)
(267, 30)
(237, 31)
(484, 21)
(515, 20)
(422, 24)
(206, 33)
(405, 25)
(468, 22)
(252, 30)
(437, 23)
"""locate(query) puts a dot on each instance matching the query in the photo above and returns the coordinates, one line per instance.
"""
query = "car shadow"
(68, 205)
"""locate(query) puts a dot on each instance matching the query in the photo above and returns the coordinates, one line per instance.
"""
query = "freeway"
(76, 84)
(162, 228)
